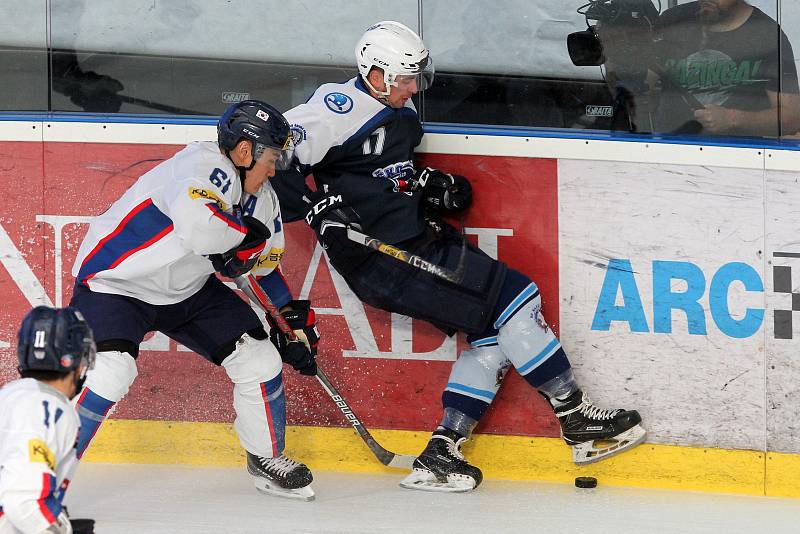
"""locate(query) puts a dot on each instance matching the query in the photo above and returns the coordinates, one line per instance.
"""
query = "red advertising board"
(50, 190)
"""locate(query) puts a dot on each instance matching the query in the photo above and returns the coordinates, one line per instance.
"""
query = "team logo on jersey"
(39, 452)
(338, 102)
(196, 192)
(536, 315)
(399, 174)
(298, 134)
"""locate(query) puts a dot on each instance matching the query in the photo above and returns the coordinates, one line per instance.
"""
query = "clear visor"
(423, 78)
(267, 154)
(88, 356)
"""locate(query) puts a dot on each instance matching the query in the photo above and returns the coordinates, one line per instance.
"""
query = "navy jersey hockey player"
(39, 425)
(148, 264)
(358, 140)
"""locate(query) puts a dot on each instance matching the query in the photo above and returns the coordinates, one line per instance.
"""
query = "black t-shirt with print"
(735, 69)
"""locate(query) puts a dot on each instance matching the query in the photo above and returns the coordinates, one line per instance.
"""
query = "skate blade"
(589, 452)
(424, 480)
(299, 494)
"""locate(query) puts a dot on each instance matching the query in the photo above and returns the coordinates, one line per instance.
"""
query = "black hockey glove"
(242, 258)
(300, 353)
(442, 191)
(79, 526)
(330, 218)
(82, 526)
(329, 213)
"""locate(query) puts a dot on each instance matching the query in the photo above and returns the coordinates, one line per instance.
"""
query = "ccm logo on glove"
(322, 206)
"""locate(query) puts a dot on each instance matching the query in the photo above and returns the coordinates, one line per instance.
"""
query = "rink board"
(665, 268)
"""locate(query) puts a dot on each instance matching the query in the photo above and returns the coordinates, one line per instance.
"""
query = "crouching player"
(148, 264)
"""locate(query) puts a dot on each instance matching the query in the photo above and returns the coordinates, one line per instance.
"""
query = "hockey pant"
(518, 336)
(254, 367)
(385, 283)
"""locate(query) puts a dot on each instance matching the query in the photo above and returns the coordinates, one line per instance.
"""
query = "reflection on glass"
(708, 67)
(732, 60)
(140, 56)
(711, 67)
(23, 56)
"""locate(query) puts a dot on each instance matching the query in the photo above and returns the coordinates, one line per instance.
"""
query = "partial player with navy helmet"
(55, 340)
(149, 263)
(39, 425)
(258, 122)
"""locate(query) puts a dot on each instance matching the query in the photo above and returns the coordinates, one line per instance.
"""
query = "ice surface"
(176, 499)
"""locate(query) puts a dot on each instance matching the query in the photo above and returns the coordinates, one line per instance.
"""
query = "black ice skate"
(442, 467)
(281, 476)
(595, 434)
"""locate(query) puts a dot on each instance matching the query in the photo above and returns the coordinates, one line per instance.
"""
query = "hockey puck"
(585, 482)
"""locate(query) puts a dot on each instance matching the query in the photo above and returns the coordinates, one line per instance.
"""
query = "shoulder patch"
(299, 134)
(196, 192)
(338, 102)
(39, 452)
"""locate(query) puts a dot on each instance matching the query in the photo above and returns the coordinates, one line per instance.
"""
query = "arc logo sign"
(680, 287)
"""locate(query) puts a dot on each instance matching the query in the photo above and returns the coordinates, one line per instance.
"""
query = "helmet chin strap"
(79, 380)
(241, 169)
(383, 96)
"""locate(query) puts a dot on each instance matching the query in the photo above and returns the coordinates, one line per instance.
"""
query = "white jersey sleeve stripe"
(142, 227)
(227, 218)
(49, 505)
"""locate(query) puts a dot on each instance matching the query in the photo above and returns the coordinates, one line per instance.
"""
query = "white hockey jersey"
(38, 432)
(152, 244)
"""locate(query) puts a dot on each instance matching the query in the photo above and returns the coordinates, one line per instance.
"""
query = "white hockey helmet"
(398, 51)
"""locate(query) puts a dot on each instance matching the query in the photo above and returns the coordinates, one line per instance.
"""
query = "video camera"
(623, 27)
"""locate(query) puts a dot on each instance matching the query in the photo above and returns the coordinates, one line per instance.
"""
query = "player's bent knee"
(526, 335)
(479, 369)
(113, 374)
(253, 360)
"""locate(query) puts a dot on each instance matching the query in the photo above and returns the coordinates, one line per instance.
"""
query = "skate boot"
(442, 467)
(281, 476)
(595, 434)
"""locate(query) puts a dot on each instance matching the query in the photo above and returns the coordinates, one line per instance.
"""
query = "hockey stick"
(374, 243)
(250, 287)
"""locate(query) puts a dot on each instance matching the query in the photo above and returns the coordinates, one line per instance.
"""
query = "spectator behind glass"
(735, 63)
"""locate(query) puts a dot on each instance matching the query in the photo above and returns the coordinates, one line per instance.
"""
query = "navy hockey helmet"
(54, 339)
(256, 121)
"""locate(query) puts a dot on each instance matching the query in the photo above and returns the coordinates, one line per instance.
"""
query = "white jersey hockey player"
(38, 425)
(148, 263)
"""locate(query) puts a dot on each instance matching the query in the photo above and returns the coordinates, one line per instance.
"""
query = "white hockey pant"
(106, 384)
(474, 381)
(255, 369)
(528, 342)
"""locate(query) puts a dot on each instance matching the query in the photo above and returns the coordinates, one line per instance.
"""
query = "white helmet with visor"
(398, 51)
